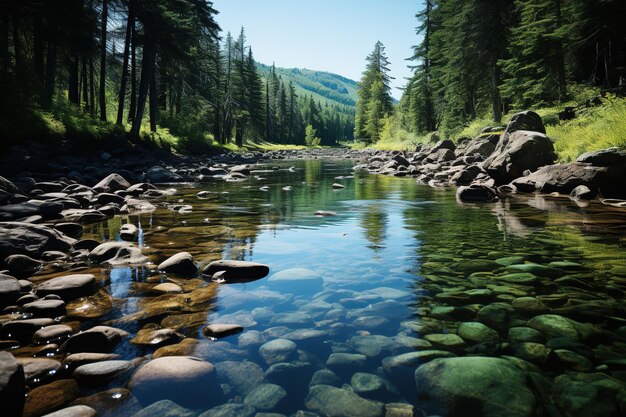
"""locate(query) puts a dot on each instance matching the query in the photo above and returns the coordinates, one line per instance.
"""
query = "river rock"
(23, 330)
(111, 183)
(129, 232)
(368, 385)
(588, 394)
(9, 290)
(69, 287)
(158, 174)
(219, 330)
(98, 339)
(242, 376)
(22, 266)
(376, 346)
(74, 411)
(476, 192)
(102, 372)
(564, 178)
(75, 360)
(180, 264)
(116, 253)
(165, 408)
(325, 377)
(331, 401)
(494, 386)
(12, 385)
(31, 239)
(237, 271)
(604, 157)
(554, 326)
(230, 410)
(297, 280)
(265, 397)
(277, 350)
(517, 152)
(524, 334)
(477, 332)
(45, 308)
(400, 369)
(188, 381)
(39, 370)
(156, 337)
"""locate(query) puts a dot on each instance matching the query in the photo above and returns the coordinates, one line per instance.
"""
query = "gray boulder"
(517, 152)
(526, 120)
(476, 192)
(31, 239)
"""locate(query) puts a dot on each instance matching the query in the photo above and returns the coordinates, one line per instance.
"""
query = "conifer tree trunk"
(496, 100)
(103, 57)
(147, 70)
(51, 69)
(73, 92)
(560, 55)
(4, 46)
(85, 86)
(17, 52)
(132, 108)
(92, 89)
(122, 98)
(153, 101)
(38, 53)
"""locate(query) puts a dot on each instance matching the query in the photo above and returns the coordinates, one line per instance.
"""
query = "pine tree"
(374, 95)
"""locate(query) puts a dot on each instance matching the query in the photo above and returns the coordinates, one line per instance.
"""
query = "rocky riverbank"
(522, 159)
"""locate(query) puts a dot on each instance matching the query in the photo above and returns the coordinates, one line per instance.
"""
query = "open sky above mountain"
(327, 35)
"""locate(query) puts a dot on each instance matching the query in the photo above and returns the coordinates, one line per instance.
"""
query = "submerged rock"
(69, 287)
(332, 401)
(490, 387)
(188, 381)
(181, 264)
(237, 271)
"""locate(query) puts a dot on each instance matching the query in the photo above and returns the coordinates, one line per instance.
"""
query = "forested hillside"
(163, 70)
(479, 60)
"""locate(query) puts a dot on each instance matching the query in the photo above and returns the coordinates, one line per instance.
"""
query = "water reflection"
(402, 265)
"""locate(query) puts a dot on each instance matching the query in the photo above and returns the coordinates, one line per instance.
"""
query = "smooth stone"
(9, 290)
(277, 350)
(536, 353)
(346, 363)
(22, 266)
(74, 411)
(39, 370)
(111, 183)
(45, 308)
(296, 280)
(523, 278)
(103, 371)
(529, 305)
(325, 377)
(496, 315)
(52, 333)
(237, 271)
(222, 330)
(250, 340)
(524, 334)
(116, 253)
(294, 376)
(477, 332)
(574, 361)
(12, 385)
(368, 385)
(98, 339)
(50, 397)
(165, 408)
(180, 264)
(156, 337)
(375, 346)
(129, 232)
(31, 239)
(188, 381)
(23, 330)
(535, 269)
(587, 394)
(492, 385)
(74, 360)
(400, 369)
(167, 288)
(230, 410)
(69, 287)
(553, 326)
(185, 347)
(334, 402)
(111, 402)
(447, 341)
(265, 397)
(242, 376)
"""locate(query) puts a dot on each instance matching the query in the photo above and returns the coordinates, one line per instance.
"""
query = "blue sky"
(325, 35)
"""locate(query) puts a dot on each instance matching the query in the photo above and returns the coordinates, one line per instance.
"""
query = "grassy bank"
(595, 127)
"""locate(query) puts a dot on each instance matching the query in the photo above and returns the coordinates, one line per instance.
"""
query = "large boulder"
(476, 192)
(517, 152)
(159, 174)
(526, 120)
(180, 264)
(31, 239)
(69, 287)
(610, 180)
(12, 386)
(476, 386)
(188, 381)
(236, 271)
(604, 158)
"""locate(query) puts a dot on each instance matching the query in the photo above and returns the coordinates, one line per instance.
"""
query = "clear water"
(390, 258)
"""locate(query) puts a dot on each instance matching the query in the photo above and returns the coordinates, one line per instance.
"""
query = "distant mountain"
(325, 87)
